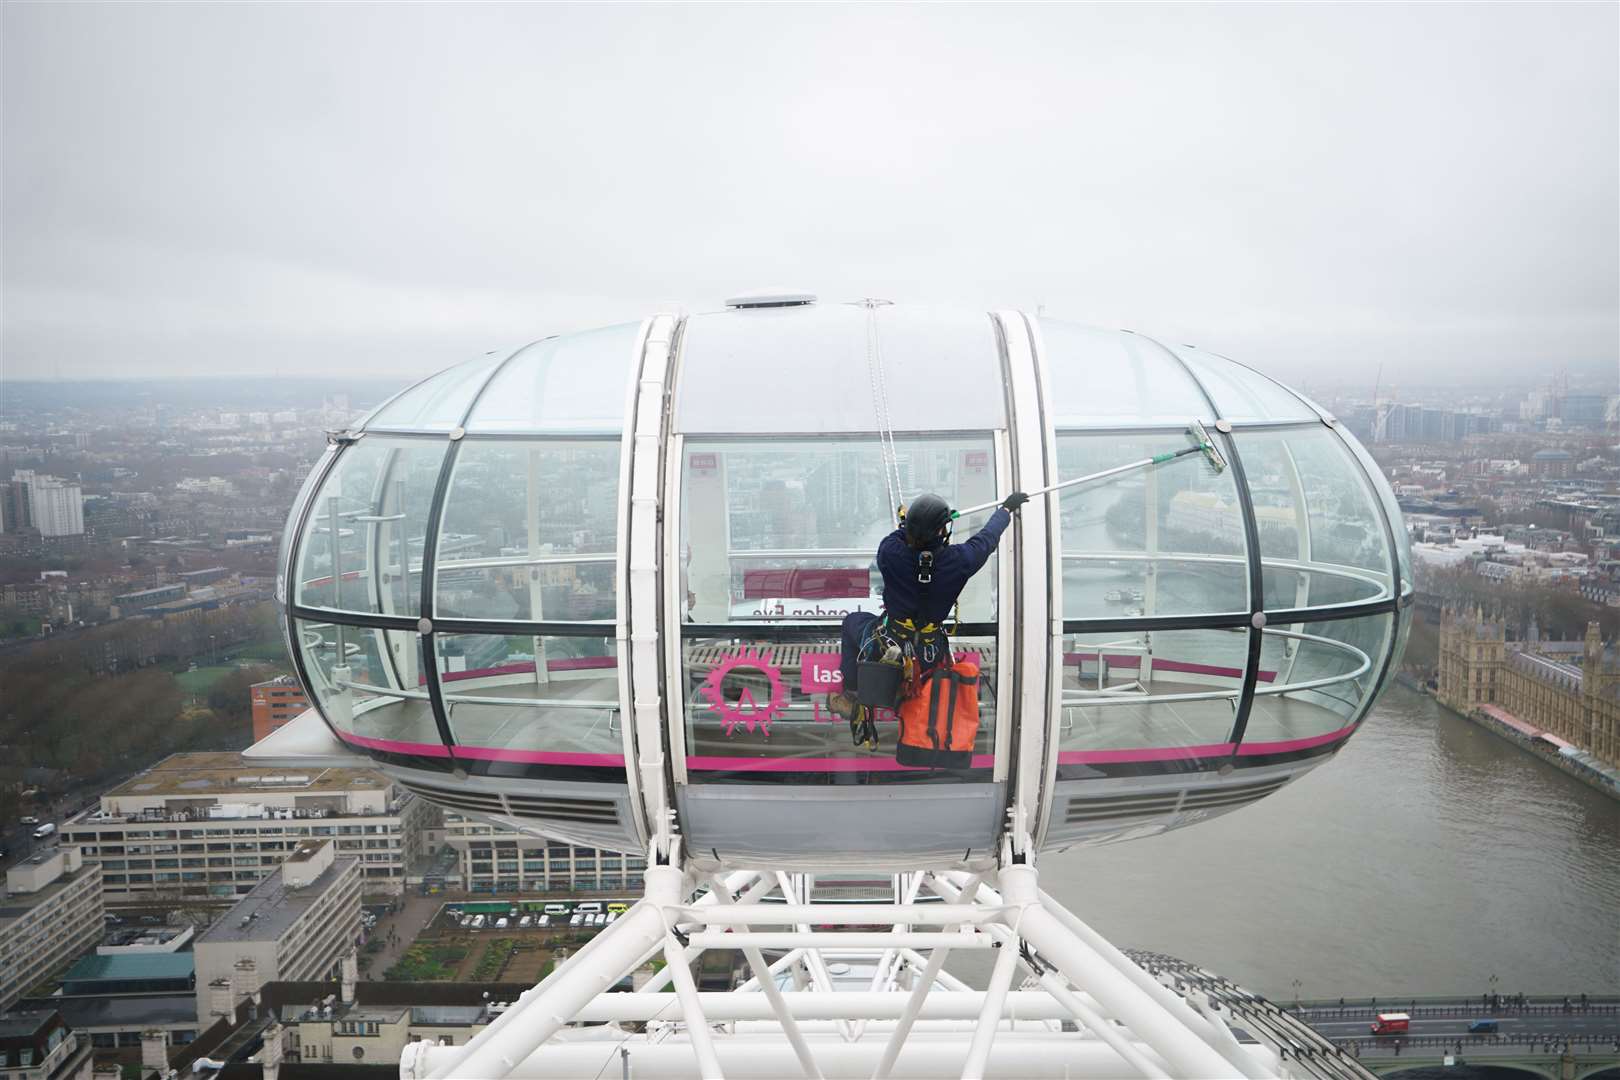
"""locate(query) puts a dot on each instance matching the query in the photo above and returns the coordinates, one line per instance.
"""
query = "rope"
(880, 406)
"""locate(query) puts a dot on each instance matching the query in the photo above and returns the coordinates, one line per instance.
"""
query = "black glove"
(1014, 501)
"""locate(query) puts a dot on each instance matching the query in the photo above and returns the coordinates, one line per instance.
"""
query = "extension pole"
(1156, 459)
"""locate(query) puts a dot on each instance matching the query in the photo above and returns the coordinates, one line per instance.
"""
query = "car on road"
(151, 920)
(1484, 1027)
(28, 821)
(45, 830)
(1391, 1024)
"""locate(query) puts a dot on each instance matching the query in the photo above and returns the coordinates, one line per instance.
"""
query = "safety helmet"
(926, 517)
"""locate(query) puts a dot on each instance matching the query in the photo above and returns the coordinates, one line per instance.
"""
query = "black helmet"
(926, 517)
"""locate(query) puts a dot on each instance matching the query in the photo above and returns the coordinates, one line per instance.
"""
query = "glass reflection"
(528, 532)
(1167, 540)
(1107, 377)
(362, 545)
(437, 403)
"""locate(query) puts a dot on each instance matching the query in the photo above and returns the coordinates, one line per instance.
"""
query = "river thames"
(1424, 858)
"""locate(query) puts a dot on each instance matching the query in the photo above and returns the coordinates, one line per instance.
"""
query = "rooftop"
(265, 913)
(17, 905)
(126, 1011)
(225, 773)
(23, 1024)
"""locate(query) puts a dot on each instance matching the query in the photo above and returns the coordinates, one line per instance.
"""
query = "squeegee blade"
(1206, 443)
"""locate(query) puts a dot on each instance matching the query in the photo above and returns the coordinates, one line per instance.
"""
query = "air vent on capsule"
(761, 298)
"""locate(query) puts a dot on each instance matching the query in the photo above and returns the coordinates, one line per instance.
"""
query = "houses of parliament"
(1574, 696)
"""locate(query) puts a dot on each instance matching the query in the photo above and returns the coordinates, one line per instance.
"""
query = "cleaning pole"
(1202, 444)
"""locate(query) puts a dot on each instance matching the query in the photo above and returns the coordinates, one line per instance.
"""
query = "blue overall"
(954, 564)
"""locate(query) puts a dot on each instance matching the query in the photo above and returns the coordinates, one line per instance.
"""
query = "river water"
(1425, 857)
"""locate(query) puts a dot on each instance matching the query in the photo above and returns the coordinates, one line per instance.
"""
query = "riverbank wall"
(1607, 783)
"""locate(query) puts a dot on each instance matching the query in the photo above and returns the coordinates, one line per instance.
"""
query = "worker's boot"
(842, 705)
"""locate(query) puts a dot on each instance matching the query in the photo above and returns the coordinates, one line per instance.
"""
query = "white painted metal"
(641, 651)
(1131, 1025)
(1031, 598)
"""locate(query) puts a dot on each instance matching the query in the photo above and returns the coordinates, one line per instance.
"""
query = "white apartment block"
(209, 826)
(52, 912)
(294, 926)
(494, 860)
(57, 505)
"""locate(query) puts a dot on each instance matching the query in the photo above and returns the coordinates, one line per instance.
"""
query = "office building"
(206, 825)
(494, 860)
(52, 912)
(294, 925)
(276, 702)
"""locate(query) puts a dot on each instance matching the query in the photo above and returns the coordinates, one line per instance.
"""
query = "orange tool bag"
(940, 721)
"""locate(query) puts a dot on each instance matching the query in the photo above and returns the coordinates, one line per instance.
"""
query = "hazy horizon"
(387, 190)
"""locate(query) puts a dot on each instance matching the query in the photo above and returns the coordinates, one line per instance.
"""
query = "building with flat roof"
(295, 924)
(131, 973)
(208, 825)
(39, 1045)
(52, 911)
(275, 703)
(495, 860)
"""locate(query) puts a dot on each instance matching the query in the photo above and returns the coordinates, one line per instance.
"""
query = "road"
(1542, 1025)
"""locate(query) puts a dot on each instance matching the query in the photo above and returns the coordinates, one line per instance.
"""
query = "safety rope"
(880, 406)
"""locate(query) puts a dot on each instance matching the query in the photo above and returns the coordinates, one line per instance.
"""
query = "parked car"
(545, 920)
(526, 921)
(500, 923)
(588, 905)
(557, 909)
(578, 918)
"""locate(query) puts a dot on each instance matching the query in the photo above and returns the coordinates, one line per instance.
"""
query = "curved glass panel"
(528, 532)
(1241, 394)
(786, 532)
(362, 545)
(1107, 377)
(756, 712)
(1321, 535)
(1392, 509)
(1160, 696)
(437, 403)
(808, 370)
(368, 685)
(574, 383)
(1164, 540)
(524, 700)
(1322, 676)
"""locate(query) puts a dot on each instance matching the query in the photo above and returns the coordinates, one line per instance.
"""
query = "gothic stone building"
(1579, 704)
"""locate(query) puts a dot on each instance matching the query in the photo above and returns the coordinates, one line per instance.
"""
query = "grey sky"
(390, 189)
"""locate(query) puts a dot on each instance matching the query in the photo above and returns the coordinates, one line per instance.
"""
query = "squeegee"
(1202, 444)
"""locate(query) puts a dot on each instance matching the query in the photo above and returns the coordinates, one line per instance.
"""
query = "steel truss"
(1060, 1001)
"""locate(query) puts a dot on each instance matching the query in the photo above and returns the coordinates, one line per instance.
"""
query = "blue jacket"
(954, 564)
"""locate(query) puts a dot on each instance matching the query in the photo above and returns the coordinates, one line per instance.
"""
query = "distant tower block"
(591, 590)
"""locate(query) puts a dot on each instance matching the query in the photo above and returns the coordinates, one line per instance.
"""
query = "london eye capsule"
(591, 589)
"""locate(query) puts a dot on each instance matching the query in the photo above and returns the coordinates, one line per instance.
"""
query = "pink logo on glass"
(746, 712)
(819, 673)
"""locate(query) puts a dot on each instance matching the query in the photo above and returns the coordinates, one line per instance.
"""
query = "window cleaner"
(883, 659)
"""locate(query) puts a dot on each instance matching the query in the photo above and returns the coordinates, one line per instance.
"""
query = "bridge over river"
(1559, 1038)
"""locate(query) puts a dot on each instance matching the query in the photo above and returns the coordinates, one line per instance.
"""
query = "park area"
(448, 951)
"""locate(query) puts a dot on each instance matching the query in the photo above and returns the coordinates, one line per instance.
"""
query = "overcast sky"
(308, 188)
